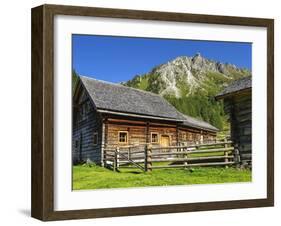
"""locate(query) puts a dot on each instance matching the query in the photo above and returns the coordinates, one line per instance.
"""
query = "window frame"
(151, 140)
(127, 137)
(97, 137)
(84, 109)
(76, 145)
(81, 113)
(183, 136)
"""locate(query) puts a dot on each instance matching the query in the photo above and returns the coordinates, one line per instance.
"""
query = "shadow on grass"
(136, 172)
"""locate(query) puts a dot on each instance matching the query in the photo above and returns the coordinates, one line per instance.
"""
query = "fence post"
(225, 153)
(147, 155)
(186, 157)
(197, 145)
(116, 159)
(236, 155)
(104, 158)
(129, 153)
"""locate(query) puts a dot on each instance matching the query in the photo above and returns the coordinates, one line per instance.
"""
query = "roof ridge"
(139, 90)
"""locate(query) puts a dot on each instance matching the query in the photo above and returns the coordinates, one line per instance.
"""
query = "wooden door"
(165, 141)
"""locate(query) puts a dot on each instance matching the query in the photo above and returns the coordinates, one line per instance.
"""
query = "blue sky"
(117, 59)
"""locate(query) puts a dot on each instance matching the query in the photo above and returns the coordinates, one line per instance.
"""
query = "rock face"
(184, 75)
(190, 84)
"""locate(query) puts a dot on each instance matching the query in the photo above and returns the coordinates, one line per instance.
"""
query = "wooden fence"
(148, 157)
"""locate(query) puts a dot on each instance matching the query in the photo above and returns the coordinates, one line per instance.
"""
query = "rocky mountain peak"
(197, 57)
(190, 83)
(189, 73)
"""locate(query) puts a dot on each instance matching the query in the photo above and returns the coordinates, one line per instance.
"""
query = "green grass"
(96, 177)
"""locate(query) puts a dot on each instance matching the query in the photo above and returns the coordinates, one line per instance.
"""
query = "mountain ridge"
(190, 83)
(189, 70)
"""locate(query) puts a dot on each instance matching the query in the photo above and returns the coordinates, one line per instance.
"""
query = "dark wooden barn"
(237, 99)
(110, 115)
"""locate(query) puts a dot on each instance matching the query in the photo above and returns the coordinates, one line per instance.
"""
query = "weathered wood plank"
(194, 164)
(191, 159)
(193, 152)
(192, 146)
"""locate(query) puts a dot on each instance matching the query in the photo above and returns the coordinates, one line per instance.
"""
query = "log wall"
(83, 147)
(189, 136)
(239, 109)
(140, 133)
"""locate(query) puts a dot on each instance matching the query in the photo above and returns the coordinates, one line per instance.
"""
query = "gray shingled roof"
(118, 98)
(193, 122)
(241, 84)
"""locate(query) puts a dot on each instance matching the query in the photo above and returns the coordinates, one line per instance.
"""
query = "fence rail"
(208, 154)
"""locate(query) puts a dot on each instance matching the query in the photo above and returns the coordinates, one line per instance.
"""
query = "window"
(95, 138)
(183, 136)
(76, 145)
(84, 110)
(154, 138)
(123, 137)
(87, 107)
(201, 138)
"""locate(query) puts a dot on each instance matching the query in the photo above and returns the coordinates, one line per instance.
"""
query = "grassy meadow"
(96, 177)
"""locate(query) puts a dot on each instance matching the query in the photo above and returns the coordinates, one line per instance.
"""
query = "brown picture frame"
(42, 203)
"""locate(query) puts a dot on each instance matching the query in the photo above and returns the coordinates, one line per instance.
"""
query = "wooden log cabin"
(237, 99)
(110, 115)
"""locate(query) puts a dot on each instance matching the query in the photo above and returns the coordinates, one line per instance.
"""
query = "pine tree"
(74, 78)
